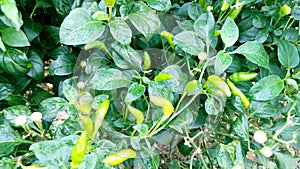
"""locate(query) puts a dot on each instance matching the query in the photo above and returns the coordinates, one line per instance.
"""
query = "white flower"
(266, 151)
(21, 120)
(260, 136)
(36, 116)
(237, 167)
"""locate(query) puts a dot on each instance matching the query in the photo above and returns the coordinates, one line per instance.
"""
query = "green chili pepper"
(87, 125)
(237, 92)
(79, 150)
(190, 86)
(243, 76)
(109, 3)
(225, 5)
(167, 110)
(164, 103)
(162, 77)
(233, 14)
(137, 114)
(220, 84)
(217, 33)
(99, 115)
(285, 10)
(169, 36)
(119, 157)
(84, 108)
(147, 60)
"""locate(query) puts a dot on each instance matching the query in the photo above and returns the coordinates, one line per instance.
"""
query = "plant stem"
(110, 13)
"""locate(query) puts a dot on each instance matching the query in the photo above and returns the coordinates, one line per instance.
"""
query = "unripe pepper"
(109, 3)
(137, 114)
(147, 60)
(233, 14)
(237, 92)
(119, 157)
(243, 76)
(87, 125)
(225, 5)
(219, 83)
(190, 86)
(167, 110)
(99, 115)
(79, 150)
(169, 36)
(162, 77)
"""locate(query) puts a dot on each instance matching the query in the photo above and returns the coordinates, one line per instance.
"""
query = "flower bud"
(260, 136)
(21, 120)
(36, 116)
(266, 151)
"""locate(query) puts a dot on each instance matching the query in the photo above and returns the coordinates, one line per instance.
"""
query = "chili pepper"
(87, 125)
(242, 76)
(99, 115)
(85, 108)
(217, 33)
(119, 157)
(220, 84)
(190, 86)
(137, 114)
(147, 60)
(285, 10)
(162, 77)
(233, 14)
(79, 150)
(109, 3)
(164, 103)
(237, 92)
(225, 5)
(169, 36)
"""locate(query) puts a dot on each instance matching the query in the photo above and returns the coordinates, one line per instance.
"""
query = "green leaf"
(69, 127)
(37, 70)
(69, 90)
(162, 5)
(11, 113)
(120, 31)
(142, 129)
(149, 159)
(229, 32)
(79, 28)
(8, 140)
(108, 80)
(205, 27)
(263, 109)
(54, 154)
(223, 158)
(65, 62)
(126, 57)
(14, 62)
(2, 46)
(288, 54)
(135, 91)
(179, 78)
(32, 29)
(285, 161)
(240, 127)
(146, 23)
(6, 90)
(7, 163)
(194, 10)
(189, 42)
(63, 7)
(9, 8)
(51, 106)
(13, 37)
(222, 62)
(267, 88)
(255, 53)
